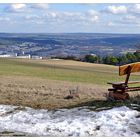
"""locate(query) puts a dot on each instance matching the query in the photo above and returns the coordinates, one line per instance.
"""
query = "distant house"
(128, 51)
(92, 54)
(8, 55)
(5, 55)
(36, 57)
(24, 56)
(137, 51)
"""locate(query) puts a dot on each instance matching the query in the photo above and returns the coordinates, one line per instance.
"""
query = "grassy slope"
(34, 83)
(62, 70)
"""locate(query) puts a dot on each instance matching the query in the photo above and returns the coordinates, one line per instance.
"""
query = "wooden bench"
(119, 90)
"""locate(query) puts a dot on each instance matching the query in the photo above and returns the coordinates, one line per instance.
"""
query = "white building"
(24, 56)
(8, 55)
(36, 57)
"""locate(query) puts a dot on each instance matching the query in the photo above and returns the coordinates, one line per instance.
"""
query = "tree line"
(109, 59)
(113, 60)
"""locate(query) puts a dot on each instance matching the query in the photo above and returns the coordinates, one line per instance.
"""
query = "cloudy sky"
(56, 18)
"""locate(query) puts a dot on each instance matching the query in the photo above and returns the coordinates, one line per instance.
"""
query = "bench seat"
(122, 83)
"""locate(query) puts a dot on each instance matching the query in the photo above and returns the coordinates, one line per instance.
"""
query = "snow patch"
(120, 121)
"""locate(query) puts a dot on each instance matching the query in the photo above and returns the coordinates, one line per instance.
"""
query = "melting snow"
(120, 121)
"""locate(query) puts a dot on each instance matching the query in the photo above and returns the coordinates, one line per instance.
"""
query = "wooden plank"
(133, 82)
(134, 87)
(116, 83)
(135, 67)
(121, 83)
(130, 89)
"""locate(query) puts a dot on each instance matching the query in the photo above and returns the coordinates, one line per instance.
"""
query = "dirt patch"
(41, 93)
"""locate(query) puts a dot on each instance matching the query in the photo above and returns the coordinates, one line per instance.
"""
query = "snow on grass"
(81, 121)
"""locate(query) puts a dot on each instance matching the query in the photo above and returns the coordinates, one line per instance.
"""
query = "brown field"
(41, 93)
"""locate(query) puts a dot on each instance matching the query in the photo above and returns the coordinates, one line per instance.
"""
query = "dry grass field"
(45, 83)
(42, 93)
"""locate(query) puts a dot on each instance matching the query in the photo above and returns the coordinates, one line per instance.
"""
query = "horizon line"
(63, 33)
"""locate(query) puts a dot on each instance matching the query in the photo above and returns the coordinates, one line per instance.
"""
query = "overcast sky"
(58, 18)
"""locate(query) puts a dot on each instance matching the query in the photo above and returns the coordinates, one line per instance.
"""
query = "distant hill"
(69, 43)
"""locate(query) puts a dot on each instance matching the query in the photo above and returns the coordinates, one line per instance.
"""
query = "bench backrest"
(129, 68)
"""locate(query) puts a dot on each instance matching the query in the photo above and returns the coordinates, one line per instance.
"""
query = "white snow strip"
(120, 121)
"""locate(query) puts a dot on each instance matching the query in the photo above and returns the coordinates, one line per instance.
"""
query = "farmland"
(45, 83)
(63, 70)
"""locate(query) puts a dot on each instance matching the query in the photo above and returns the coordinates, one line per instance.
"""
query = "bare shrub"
(73, 93)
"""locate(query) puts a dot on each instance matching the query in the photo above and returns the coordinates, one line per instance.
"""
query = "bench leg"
(118, 96)
(110, 96)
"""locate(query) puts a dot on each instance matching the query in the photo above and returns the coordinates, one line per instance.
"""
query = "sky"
(70, 18)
